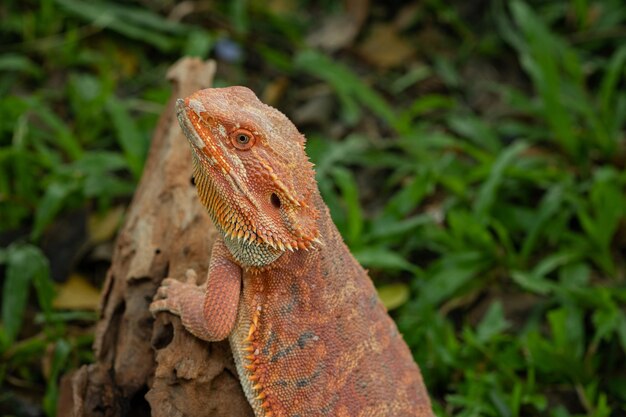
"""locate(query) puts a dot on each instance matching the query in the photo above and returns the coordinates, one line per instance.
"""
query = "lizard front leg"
(207, 311)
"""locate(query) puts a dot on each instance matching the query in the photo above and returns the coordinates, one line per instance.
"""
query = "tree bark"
(147, 367)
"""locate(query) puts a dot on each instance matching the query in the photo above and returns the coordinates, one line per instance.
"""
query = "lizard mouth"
(185, 123)
(191, 121)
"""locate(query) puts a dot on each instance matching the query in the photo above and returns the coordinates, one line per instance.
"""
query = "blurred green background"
(473, 156)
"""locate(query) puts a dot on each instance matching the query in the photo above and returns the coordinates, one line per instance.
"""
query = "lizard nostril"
(275, 200)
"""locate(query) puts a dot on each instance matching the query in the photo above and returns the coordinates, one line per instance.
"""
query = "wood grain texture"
(145, 367)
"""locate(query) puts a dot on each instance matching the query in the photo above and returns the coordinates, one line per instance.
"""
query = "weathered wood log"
(145, 367)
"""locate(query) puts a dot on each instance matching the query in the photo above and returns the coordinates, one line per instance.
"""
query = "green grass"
(498, 230)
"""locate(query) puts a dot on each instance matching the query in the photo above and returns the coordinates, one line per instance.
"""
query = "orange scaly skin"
(308, 333)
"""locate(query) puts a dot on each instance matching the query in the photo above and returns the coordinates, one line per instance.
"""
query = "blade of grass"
(133, 143)
(350, 194)
(131, 22)
(609, 90)
(349, 87)
(379, 257)
(24, 263)
(62, 350)
(61, 137)
(488, 191)
(548, 207)
(49, 206)
(538, 55)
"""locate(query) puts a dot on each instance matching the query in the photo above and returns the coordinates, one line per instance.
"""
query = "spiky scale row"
(236, 229)
(237, 226)
(253, 363)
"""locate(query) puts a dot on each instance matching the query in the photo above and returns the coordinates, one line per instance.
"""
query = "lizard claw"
(191, 277)
(161, 293)
(173, 292)
(169, 282)
(160, 305)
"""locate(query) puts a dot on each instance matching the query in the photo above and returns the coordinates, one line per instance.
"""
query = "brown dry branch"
(147, 367)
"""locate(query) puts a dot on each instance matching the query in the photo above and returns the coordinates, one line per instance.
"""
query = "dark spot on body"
(304, 337)
(293, 299)
(270, 340)
(281, 353)
(193, 181)
(300, 343)
(330, 406)
(303, 382)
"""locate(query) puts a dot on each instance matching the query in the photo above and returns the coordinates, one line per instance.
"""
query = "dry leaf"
(274, 91)
(316, 110)
(281, 7)
(339, 31)
(336, 32)
(385, 48)
(77, 294)
(102, 227)
(408, 15)
(393, 295)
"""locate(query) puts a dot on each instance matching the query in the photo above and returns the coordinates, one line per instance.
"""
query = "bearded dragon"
(308, 333)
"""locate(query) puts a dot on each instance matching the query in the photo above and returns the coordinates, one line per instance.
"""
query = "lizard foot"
(173, 294)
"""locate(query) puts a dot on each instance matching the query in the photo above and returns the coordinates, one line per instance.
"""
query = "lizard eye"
(242, 139)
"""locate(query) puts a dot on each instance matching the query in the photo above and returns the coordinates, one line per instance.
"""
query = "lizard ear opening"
(275, 200)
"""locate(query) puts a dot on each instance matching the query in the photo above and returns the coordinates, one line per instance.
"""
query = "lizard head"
(251, 169)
